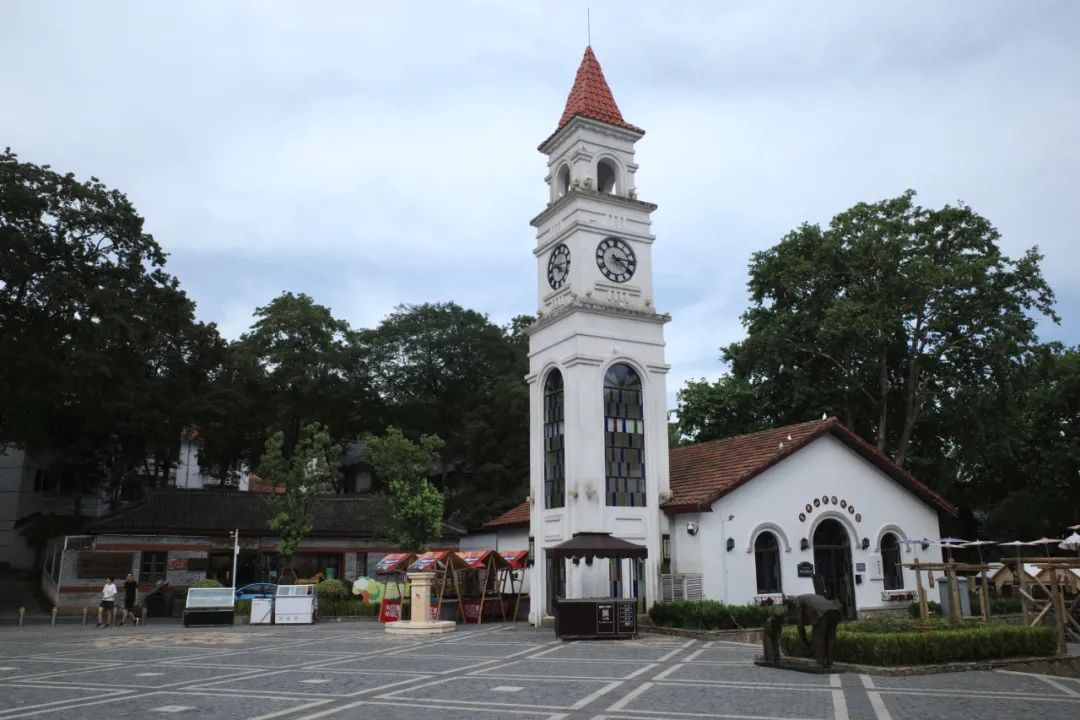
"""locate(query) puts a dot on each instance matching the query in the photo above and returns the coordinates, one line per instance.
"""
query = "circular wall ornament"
(817, 503)
(851, 509)
(843, 503)
(833, 500)
(809, 508)
(858, 517)
(825, 499)
(802, 517)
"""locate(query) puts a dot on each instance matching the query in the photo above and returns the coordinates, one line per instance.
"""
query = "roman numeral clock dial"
(616, 260)
(558, 266)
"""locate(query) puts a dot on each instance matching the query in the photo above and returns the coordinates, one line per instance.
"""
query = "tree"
(305, 475)
(907, 323)
(416, 506)
(448, 371)
(102, 362)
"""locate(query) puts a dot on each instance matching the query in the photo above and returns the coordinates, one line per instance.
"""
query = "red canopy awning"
(484, 559)
(394, 562)
(518, 559)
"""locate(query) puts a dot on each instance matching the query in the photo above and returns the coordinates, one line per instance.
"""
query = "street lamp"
(235, 552)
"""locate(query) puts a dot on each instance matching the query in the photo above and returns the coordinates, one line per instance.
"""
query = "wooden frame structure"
(1067, 625)
(492, 565)
(446, 565)
(519, 560)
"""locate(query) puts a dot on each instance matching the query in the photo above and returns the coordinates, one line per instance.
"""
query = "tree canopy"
(902, 321)
(416, 506)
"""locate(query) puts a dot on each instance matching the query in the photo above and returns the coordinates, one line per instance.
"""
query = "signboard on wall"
(103, 564)
(178, 563)
(806, 569)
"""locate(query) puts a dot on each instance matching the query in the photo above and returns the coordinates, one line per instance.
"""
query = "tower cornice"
(580, 192)
(597, 308)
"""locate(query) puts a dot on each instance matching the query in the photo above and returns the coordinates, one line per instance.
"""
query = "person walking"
(107, 610)
(131, 591)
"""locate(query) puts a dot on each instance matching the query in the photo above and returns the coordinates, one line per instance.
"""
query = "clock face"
(616, 260)
(558, 266)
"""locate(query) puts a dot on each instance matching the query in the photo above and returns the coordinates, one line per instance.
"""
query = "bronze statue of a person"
(824, 616)
(770, 635)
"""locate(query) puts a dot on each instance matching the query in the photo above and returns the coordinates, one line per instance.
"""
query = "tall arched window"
(624, 437)
(767, 561)
(890, 562)
(554, 455)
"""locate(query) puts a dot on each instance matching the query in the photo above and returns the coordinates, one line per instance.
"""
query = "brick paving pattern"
(346, 671)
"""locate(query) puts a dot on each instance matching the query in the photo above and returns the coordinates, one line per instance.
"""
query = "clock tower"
(598, 423)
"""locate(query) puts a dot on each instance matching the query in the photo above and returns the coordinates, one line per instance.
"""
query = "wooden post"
(1059, 612)
(955, 610)
(52, 620)
(84, 612)
(924, 608)
(984, 597)
(1024, 602)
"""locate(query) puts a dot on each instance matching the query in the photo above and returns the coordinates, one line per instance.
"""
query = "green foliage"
(933, 607)
(935, 643)
(1006, 606)
(331, 588)
(206, 583)
(102, 362)
(443, 370)
(332, 606)
(709, 615)
(912, 327)
(305, 475)
(416, 506)
(242, 607)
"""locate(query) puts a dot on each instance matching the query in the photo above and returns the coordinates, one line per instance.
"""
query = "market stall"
(445, 588)
(609, 617)
(390, 571)
(486, 569)
(512, 582)
(209, 606)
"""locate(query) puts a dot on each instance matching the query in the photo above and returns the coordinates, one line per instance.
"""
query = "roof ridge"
(830, 420)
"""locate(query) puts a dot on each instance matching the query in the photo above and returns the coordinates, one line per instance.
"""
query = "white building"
(747, 519)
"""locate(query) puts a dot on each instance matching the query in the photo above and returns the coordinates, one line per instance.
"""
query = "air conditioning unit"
(680, 586)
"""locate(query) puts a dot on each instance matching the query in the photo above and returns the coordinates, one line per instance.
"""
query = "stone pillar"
(421, 596)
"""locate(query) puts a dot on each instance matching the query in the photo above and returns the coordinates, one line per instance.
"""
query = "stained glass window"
(624, 437)
(554, 448)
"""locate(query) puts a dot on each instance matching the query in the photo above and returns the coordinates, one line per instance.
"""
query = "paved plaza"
(354, 670)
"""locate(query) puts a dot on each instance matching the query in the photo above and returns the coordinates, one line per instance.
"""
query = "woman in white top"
(108, 603)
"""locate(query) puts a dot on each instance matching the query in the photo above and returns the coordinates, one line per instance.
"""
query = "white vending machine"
(295, 605)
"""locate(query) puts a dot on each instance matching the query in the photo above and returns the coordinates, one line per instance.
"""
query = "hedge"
(330, 606)
(999, 606)
(206, 583)
(958, 643)
(709, 615)
(331, 589)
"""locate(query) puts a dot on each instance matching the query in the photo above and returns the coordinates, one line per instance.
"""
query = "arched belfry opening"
(562, 181)
(606, 177)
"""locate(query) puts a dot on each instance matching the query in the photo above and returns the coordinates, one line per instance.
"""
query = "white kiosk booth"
(295, 605)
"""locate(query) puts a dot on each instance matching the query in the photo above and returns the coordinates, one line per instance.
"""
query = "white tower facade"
(598, 424)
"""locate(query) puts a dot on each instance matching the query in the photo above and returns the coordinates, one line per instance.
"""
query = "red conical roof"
(591, 97)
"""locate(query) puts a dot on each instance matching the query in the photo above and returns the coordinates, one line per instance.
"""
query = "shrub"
(933, 607)
(242, 607)
(331, 606)
(1005, 606)
(709, 615)
(331, 588)
(941, 644)
(206, 583)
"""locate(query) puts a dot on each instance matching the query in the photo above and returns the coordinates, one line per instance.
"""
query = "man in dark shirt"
(131, 590)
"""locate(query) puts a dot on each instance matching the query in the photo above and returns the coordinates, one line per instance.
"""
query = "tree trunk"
(883, 390)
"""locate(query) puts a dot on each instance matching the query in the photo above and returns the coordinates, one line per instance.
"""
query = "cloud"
(373, 154)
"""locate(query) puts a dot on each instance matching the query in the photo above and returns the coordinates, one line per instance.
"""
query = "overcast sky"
(375, 154)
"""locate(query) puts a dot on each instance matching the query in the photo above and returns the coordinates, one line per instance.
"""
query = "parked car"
(256, 590)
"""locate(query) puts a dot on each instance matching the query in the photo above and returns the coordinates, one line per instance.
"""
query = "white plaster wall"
(825, 467)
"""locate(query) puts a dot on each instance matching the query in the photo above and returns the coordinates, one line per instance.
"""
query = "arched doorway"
(832, 565)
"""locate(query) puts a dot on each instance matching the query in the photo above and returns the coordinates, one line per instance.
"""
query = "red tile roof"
(701, 474)
(517, 516)
(591, 98)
